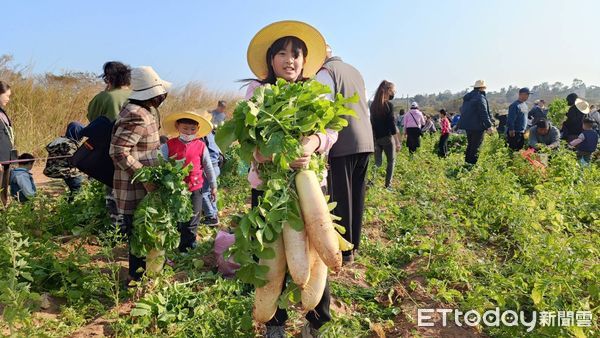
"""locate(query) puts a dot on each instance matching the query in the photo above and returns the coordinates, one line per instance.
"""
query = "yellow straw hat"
(204, 125)
(315, 43)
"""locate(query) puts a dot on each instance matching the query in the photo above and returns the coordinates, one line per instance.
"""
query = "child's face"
(187, 129)
(286, 65)
(587, 126)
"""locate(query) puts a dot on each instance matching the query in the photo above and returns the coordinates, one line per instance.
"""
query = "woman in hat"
(6, 139)
(135, 144)
(293, 51)
(187, 128)
(573, 125)
(413, 124)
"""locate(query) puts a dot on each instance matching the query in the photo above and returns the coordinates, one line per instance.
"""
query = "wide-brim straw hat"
(204, 125)
(583, 106)
(146, 84)
(262, 41)
(479, 84)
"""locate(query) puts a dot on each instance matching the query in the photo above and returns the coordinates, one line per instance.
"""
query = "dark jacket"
(573, 126)
(517, 117)
(475, 112)
(383, 122)
(536, 113)
(6, 144)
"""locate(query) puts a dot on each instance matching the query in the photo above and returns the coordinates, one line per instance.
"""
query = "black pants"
(317, 317)
(347, 187)
(189, 229)
(474, 141)
(413, 139)
(443, 145)
(516, 142)
(385, 145)
(135, 263)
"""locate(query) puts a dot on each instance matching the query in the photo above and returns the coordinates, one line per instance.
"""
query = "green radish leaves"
(156, 217)
(274, 122)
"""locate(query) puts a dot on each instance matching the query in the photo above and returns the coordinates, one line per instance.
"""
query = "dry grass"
(42, 105)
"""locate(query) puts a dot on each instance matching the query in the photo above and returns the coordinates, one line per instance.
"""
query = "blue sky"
(422, 46)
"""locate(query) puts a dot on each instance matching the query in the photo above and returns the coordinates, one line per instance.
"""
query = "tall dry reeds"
(42, 105)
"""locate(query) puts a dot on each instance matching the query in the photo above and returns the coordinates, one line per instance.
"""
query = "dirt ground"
(409, 295)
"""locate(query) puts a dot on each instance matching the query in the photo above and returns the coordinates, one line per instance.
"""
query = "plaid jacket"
(135, 143)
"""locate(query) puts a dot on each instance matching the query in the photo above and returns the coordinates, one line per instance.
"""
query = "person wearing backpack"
(64, 147)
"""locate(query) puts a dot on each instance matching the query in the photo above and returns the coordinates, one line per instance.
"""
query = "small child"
(187, 146)
(22, 186)
(586, 143)
(445, 127)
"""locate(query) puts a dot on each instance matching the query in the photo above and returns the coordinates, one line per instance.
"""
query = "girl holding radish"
(293, 51)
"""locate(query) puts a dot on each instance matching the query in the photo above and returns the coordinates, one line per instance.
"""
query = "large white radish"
(155, 260)
(317, 220)
(297, 254)
(266, 297)
(313, 292)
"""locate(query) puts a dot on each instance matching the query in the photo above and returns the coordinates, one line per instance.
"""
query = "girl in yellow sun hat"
(185, 130)
(293, 51)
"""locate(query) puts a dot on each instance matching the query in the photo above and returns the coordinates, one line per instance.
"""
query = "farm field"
(501, 234)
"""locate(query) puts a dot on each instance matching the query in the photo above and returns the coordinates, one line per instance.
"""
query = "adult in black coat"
(6, 139)
(573, 126)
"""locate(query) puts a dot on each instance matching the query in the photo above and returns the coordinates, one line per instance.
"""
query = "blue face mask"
(187, 138)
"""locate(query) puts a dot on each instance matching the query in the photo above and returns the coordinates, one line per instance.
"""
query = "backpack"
(60, 167)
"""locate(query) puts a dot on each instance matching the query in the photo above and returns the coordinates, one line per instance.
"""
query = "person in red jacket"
(188, 146)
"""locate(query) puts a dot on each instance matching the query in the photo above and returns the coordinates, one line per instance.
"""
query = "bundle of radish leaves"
(291, 229)
(156, 217)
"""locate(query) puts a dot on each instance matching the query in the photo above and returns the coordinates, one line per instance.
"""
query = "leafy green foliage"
(156, 217)
(15, 279)
(274, 122)
(218, 309)
(557, 111)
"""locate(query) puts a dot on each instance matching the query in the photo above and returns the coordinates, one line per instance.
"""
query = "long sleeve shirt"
(414, 119)
(21, 184)
(326, 141)
(445, 125)
(383, 123)
(517, 117)
(552, 139)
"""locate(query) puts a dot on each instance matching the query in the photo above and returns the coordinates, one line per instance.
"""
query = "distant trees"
(500, 100)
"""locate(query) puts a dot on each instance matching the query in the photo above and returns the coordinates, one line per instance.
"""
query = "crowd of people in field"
(520, 126)
(129, 105)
